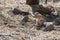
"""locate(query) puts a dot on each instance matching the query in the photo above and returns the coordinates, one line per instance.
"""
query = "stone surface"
(11, 27)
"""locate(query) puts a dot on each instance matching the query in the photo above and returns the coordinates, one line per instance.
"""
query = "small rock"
(48, 23)
(49, 28)
(25, 19)
(43, 10)
(16, 11)
(5, 23)
(50, 17)
(57, 21)
(57, 28)
(11, 26)
(20, 38)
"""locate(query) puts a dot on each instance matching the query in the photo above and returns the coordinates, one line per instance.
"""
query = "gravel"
(14, 30)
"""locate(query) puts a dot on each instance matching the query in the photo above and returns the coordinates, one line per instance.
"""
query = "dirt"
(13, 28)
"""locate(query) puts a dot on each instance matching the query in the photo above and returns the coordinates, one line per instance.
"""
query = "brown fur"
(39, 19)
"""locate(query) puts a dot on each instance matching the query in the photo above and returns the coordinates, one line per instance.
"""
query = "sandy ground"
(14, 30)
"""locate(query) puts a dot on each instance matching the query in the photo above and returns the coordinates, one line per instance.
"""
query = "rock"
(5, 23)
(50, 17)
(11, 26)
(57, 27)
(20, 38)
(16, 11)
(48, 23)
(32, 2)
(57, 21)
(43, 10)
(49, 28)
(25, 19)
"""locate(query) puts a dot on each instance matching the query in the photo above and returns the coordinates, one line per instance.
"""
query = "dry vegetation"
(21, 20)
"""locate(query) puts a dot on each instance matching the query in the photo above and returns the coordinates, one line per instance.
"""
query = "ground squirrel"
(38, 17)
